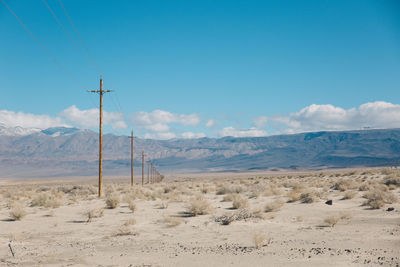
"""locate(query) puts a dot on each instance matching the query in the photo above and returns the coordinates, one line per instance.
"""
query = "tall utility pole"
(131, 137)
(148, 171)
(101, 92)
(142, 167)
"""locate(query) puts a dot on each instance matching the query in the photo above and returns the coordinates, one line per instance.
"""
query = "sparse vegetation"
(274, 206)
(378, 197)
(112, 201)
(239, 202)
(94, 213)
(17, 212)
(198, 206)
(332, 220)
(259, 239)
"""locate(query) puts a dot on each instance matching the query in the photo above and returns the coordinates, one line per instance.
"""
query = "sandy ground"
(293, 235)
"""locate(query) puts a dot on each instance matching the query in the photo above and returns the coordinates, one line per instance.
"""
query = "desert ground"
(252, 219)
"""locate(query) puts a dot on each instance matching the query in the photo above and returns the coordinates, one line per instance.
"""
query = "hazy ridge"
(70, 151)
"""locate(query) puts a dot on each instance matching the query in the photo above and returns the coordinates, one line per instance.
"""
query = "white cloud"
(159, 120)
(260, 122)
(28, 120)
(210, 123)
(191, 135)
(252, 132)
(328, 117)
(161, 135)
(90, 117)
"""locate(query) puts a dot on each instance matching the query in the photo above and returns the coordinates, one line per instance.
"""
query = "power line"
(41, 45)
(66, 32)
(80, 38)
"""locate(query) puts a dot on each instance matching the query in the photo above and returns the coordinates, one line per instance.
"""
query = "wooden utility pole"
(132, 137)
(101, 92)
(142, 168)
(148, 171)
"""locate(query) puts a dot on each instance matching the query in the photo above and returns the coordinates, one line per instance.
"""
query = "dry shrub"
(242, 214)
(377, 198)
(259, 239)
(239, 202)
(224, 189)
(272, 190)
(392, 180)
(131, 221)
(332, 220)
(274, 206)
(295, 194)
(112, 201)
(198, 206)
(173, 221)
(364, 187)
(344, 184)
(229, 197)
(349, 194)
(46, 200)
(345, 215)
(94, 213)
(17, 212)
(308, 197)
(132, 205)
(124, 230)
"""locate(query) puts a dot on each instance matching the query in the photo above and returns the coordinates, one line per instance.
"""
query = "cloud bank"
(377, 114)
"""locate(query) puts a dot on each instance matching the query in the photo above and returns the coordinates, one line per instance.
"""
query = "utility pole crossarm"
(100, 91)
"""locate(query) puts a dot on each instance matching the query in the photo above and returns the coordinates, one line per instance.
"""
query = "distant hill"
(70, 152)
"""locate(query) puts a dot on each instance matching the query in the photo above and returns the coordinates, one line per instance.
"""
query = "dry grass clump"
(94, 213)
(392, 180)
(377, 198)
(332, 220)
(295, 194)
(349, 194)
(259, 239)
(173, 221)
(132, 205)
(112, 201)
(225, 189)
(198, 206)
(308, 197)
(124, 231)
(272, 190)
(46, 200)
(131, 221)
(17, 212)
(274, 206)
(344, 184)
(242, 214)
(239, 202)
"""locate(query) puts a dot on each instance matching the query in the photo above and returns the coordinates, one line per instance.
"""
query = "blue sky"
(204, 68)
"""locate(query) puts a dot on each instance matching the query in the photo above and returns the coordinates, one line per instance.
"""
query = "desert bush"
(364, 187)
(308, 197)
(259, 239)
(349, 194)
(392, 180)
(332, 220)
(173, 221)
(17, 212)
(94, 213)
(344, 184)
(377, 198)
(132, 205)
(239, 215)
(124, 230)
(131, 221)
(198, 206)
(46, 200)
(272, 190)
(274, 206)
(239, 202)
(112, 201)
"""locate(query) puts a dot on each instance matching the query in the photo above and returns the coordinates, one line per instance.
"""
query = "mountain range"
(74, 152)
